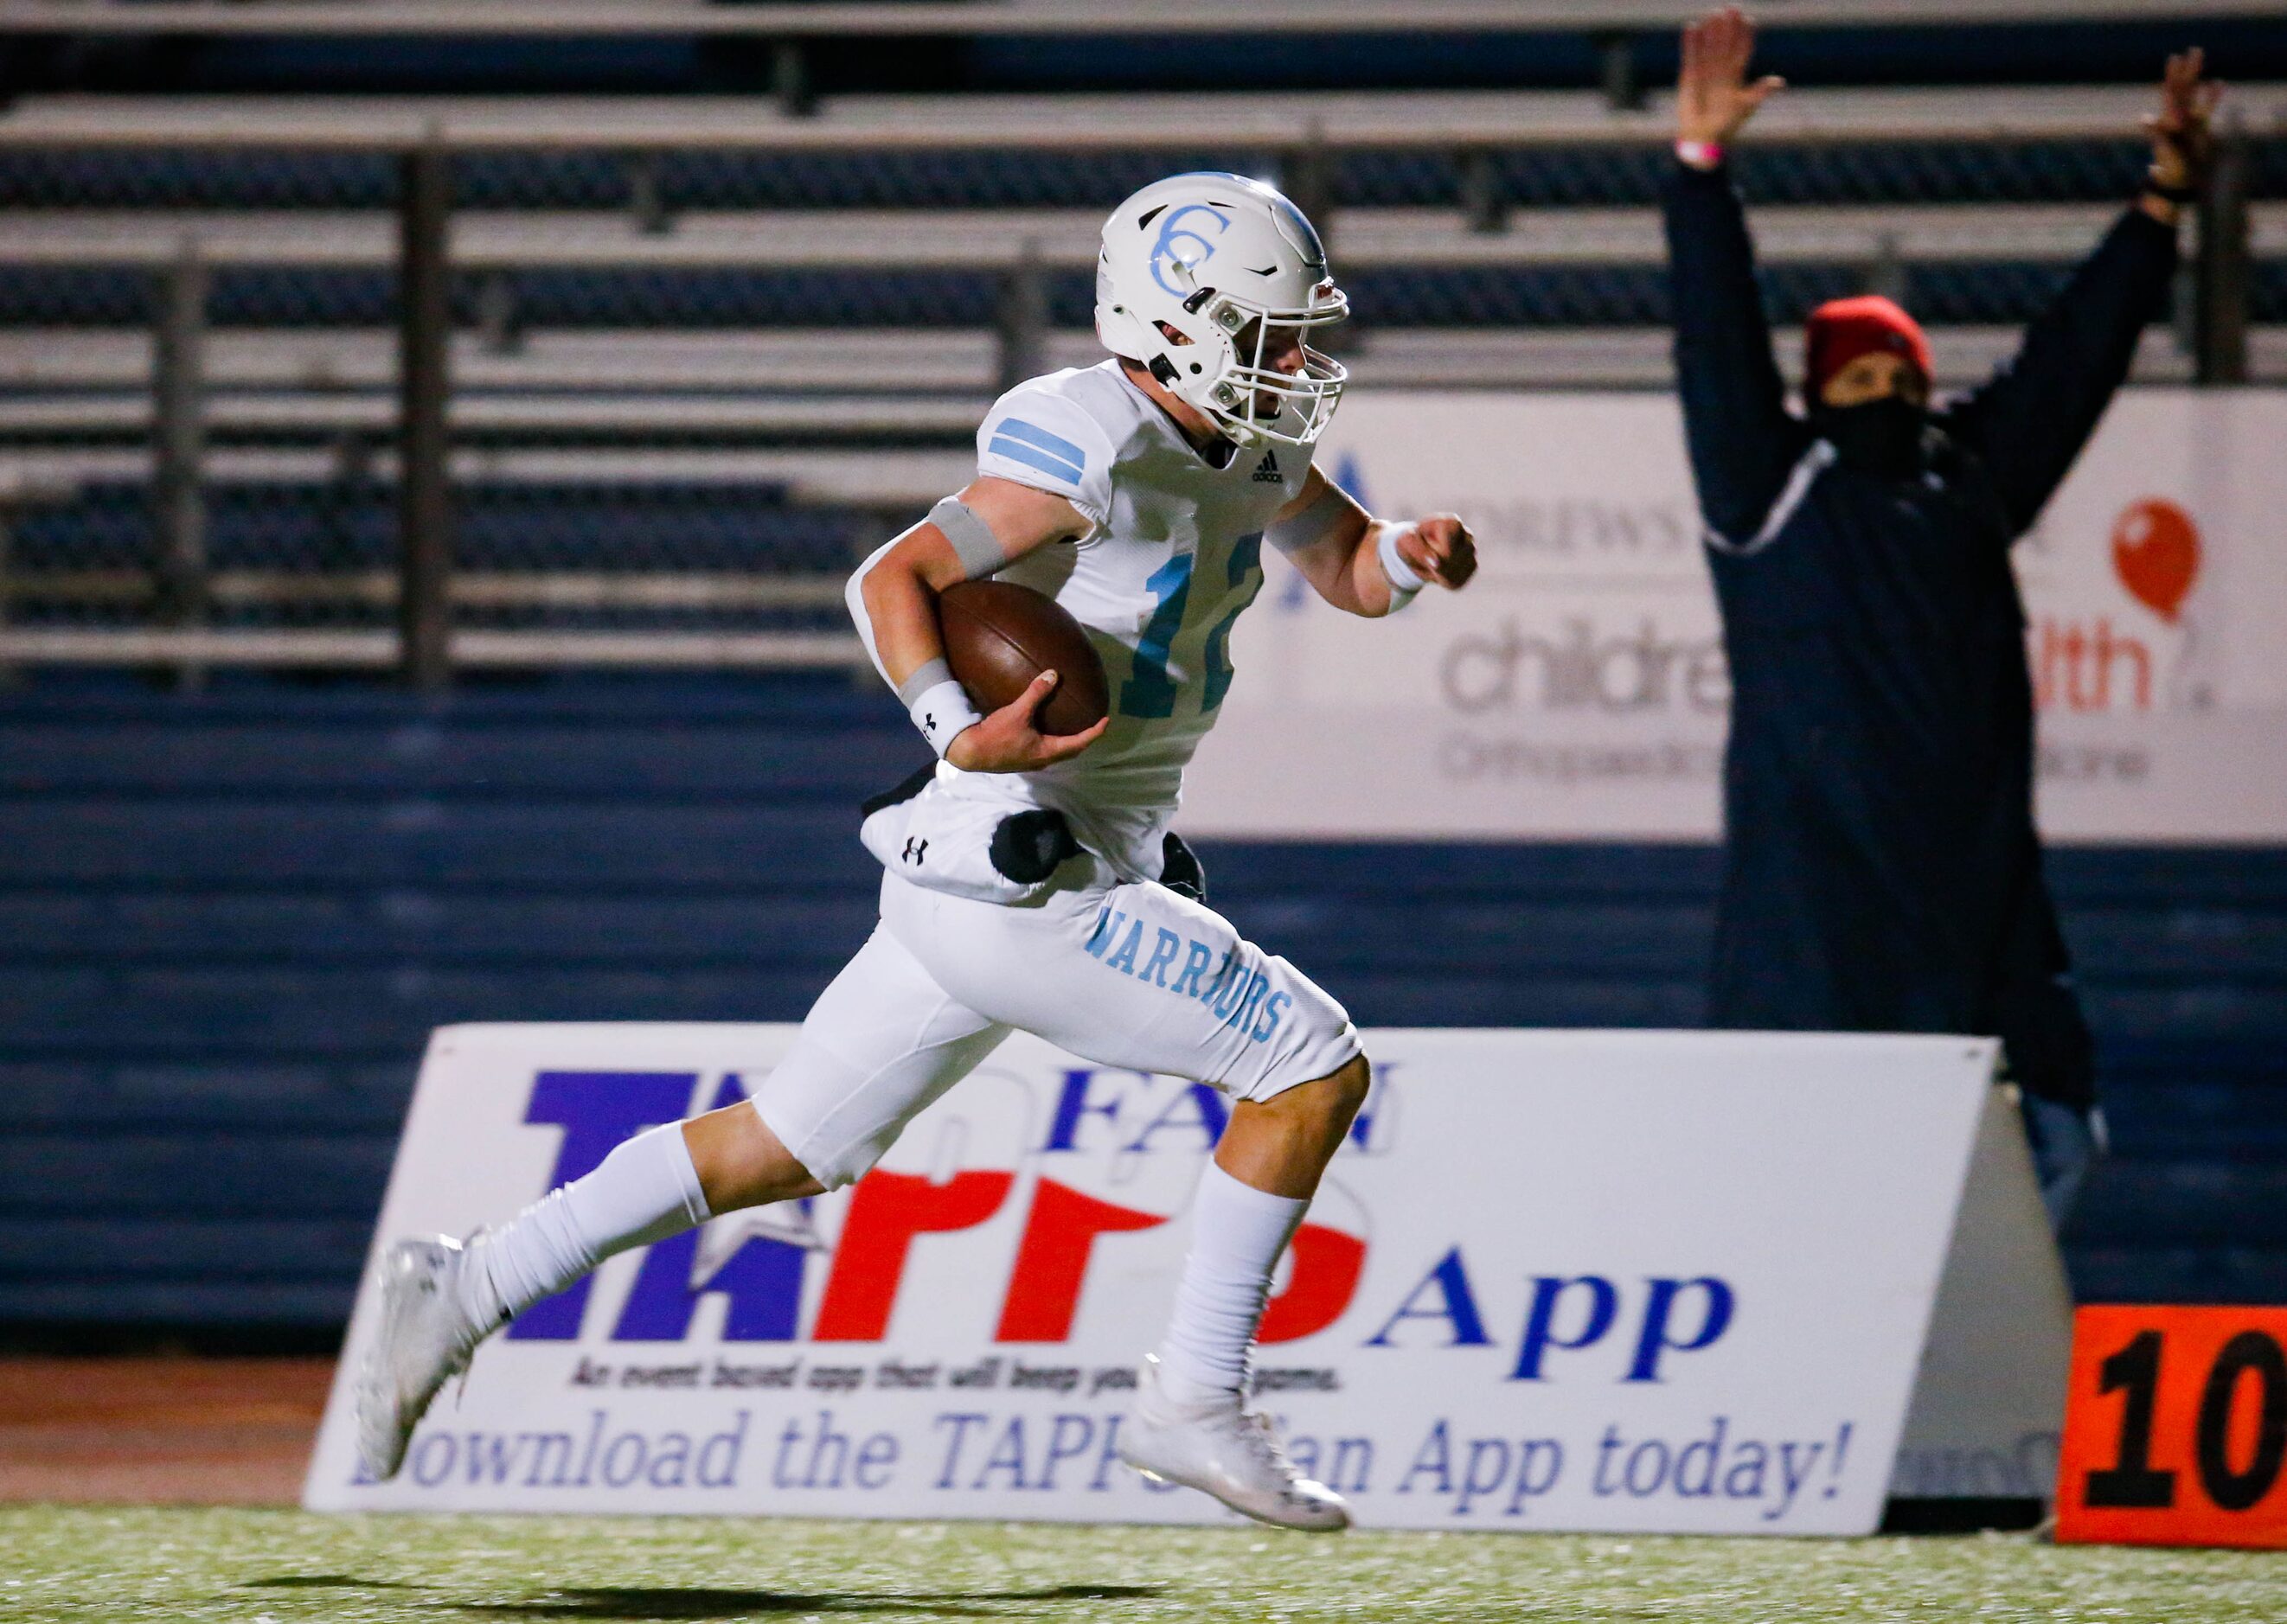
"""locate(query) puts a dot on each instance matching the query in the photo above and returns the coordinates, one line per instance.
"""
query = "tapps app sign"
(1588, 1281)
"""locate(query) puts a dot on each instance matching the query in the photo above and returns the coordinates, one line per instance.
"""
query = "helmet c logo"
(1184, 246)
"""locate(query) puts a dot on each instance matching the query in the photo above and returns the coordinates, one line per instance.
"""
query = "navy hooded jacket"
(1882, 869)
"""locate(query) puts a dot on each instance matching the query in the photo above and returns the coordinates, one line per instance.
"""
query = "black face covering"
(1882, 437)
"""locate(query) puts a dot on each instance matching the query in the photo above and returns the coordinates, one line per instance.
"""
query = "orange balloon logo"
(2156, 551)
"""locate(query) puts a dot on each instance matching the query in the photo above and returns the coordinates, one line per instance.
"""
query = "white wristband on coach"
(1404, 581)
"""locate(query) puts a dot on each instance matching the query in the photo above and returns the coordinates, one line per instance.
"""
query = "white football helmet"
(1225, 261)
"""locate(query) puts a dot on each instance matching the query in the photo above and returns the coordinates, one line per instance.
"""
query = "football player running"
(1033, 881)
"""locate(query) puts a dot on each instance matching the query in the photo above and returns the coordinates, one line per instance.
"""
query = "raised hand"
(2182, 140)
(1712, 97)
(1009, 740)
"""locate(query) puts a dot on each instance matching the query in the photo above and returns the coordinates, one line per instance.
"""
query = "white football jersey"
(1173, 558)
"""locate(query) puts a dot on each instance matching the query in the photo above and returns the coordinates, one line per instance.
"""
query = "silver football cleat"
(424, 1341)
(1227, 1448)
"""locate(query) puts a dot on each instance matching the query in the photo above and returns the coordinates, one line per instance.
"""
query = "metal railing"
(183, 591)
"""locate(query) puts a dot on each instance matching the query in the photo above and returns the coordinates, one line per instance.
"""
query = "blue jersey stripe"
(1055, 445)
(1030, 458)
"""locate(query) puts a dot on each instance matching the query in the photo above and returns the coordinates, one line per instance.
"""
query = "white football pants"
(1120, 974)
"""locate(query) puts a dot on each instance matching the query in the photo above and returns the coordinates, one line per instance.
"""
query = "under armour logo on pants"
(916, 849)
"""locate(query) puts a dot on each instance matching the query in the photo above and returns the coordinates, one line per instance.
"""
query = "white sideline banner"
(1591, 1281)
(1577, 689)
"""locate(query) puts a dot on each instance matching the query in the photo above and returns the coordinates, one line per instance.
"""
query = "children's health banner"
(1577, 689)
(1624, 1280)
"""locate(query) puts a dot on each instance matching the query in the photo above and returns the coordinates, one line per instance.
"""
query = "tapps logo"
(1586, 1324)
(761, 1272)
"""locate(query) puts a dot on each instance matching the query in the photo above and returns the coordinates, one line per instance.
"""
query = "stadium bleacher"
(702, 277)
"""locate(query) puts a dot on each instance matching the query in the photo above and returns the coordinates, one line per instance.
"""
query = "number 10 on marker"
(2176, 1428)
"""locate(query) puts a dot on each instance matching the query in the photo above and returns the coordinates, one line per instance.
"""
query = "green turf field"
(284, 1568)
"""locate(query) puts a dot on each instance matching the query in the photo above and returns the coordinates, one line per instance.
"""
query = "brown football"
(999, 636)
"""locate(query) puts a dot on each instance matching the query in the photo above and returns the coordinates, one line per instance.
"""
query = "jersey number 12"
(1150, 693)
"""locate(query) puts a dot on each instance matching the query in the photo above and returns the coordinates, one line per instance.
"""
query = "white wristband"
(1404, 581)
(941, 712)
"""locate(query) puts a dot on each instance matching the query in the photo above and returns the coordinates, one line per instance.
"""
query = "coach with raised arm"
(1882, 869)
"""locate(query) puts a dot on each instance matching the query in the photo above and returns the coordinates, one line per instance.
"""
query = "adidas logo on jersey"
(1266, 472)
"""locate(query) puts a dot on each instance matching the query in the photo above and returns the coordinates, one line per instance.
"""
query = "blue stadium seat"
(143, 178)
(1874, 172)
(745, 530)
(1975, 292)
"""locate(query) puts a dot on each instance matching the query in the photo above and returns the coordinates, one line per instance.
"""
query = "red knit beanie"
(1841, 330)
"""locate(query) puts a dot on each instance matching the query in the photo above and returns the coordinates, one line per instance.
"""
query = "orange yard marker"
(2176, 1428)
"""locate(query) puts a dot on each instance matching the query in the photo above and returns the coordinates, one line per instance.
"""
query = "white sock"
(1237, 1235)
(644, 1191)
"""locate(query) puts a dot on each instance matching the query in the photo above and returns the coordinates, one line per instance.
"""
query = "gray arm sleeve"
(925, 676)
(1312, 524)
(979, 551)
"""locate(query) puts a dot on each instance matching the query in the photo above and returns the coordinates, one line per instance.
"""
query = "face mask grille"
(1262, 400)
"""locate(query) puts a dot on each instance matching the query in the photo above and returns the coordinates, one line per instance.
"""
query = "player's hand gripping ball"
(1000, 638)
